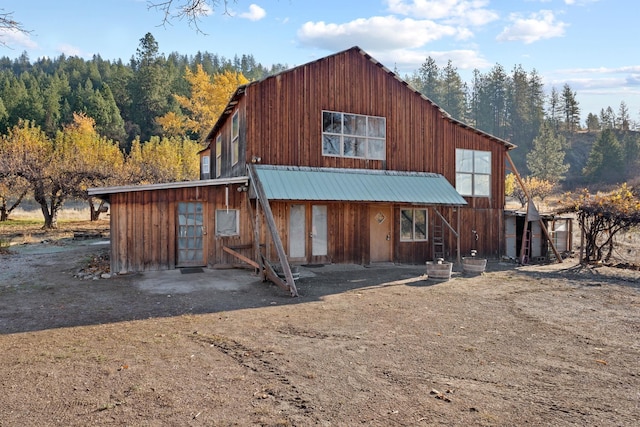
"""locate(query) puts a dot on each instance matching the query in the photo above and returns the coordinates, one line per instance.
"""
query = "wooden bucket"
(439, 270)
(472, 265)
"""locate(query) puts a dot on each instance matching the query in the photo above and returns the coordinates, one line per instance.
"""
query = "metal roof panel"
(356, 185)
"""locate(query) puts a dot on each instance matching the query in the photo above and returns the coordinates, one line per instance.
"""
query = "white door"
(319, 231)
(308, 235)
(297, 232)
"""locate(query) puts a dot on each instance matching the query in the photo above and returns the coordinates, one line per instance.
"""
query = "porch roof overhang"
(106, 191)
(356, 185)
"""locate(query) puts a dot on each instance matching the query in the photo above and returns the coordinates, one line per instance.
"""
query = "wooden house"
(335, 161)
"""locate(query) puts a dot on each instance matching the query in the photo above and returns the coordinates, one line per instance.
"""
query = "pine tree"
(593, 123)
(554, 111)
(571, 109)
(453, 92)
(546, 160)
(605, 163)
(623, 119)
(150, 89)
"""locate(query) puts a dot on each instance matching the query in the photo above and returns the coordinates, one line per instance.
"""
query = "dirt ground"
(382, 346)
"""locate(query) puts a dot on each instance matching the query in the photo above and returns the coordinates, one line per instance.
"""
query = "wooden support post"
(273, 229)
(255, 222)
(526, 193)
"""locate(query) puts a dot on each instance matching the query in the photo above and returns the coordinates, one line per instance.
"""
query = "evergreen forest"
(155, 110)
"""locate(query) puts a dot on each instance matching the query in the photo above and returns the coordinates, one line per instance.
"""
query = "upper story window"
(205, 167)
(218, 156)
(353, 135)
(473, 173)
(235, 139)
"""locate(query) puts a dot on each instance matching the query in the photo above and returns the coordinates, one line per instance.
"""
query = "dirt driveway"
(547, 345)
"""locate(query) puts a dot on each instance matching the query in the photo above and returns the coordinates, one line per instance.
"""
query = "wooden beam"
(273, 229)
(456, 233)
(240, 256)
(526, 193)
(271, 275)
(255, 222)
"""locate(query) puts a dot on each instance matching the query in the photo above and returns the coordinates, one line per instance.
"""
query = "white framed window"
(205, 165)
(473, 172)
(413, 225)
(227, 222)
(353, 135)
(218, 156)
(235, 138)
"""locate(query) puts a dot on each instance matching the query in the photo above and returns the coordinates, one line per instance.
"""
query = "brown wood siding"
(143, 227)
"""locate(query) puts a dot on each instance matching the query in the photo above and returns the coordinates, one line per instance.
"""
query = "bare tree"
(8, 24)
(191, 10)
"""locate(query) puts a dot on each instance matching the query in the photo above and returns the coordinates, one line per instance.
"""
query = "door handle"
(388, 236)
(204, 230)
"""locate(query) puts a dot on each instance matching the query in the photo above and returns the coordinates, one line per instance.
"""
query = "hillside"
(579, 146)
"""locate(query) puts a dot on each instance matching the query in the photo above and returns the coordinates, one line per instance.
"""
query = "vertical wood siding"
(143, 227)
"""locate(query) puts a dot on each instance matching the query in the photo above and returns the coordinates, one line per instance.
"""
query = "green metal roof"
(356, 185)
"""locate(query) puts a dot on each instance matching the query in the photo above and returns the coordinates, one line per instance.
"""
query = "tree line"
(514, 106)
(155, 110)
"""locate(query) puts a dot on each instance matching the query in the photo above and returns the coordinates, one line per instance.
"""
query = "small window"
(227, 222)
(353, 135)
(473, 173)
(235, 139)
(205, 165)
(218, 156)
(413, 225)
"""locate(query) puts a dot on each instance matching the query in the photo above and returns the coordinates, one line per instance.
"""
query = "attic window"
(235, 139)
(353, 135)
(218, 156)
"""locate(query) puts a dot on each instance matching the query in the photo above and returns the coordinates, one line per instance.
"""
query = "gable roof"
(241, 90)
(356, 185)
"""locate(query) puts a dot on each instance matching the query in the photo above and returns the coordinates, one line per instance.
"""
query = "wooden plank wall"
(143, 227)
(280, 122)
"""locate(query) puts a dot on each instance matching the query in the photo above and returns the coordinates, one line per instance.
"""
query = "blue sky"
(590, 44)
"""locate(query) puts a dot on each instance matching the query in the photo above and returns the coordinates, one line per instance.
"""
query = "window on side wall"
(473, 173)
(353, 135)
(227, 222)
(413, 225)
(205, 167)
(218, 156)
(235, 139)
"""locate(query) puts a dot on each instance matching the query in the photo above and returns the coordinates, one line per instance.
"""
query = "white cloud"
(463, 12)
(255, 13)
(538, 26)
(14, 38)
(375, 33)
(602, 70)
(409, 61)
(69, 50)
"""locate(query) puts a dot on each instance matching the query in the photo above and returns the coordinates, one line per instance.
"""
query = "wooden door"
(380, 231)
(191, 231)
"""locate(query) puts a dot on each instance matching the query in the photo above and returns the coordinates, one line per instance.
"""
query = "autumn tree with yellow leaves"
(601, 217)
(60, 168)
(162, 160)
(537, 188)
(199, 112)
